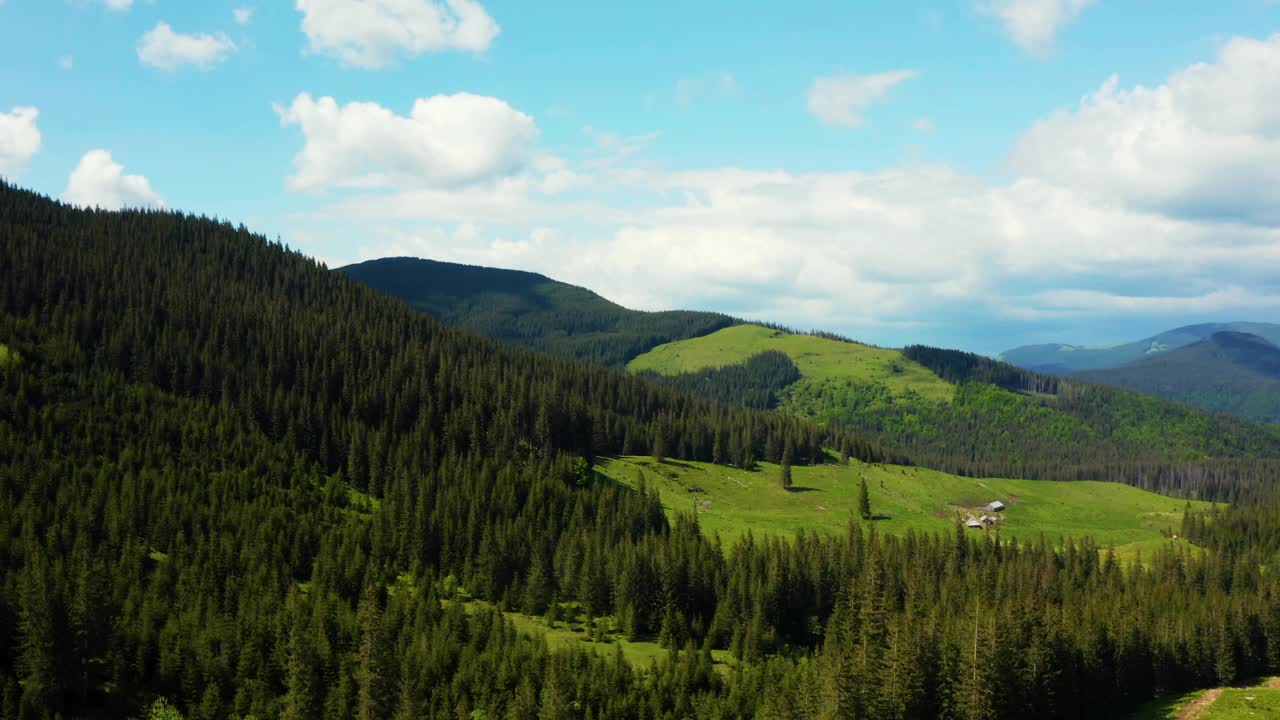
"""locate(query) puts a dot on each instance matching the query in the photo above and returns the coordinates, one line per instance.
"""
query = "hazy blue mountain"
(1062, 359)
(1233, 372)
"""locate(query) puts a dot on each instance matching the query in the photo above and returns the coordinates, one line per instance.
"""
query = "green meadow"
(731, 502)
(1261, 699)
(825, 365)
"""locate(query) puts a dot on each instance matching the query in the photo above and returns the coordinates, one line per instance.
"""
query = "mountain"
(529, 310)
(1065, 359)
(1232, 372)
(967, 414)
(234, 484)
(235, 479)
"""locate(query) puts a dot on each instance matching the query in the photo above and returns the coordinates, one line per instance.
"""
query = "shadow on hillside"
(802, 489)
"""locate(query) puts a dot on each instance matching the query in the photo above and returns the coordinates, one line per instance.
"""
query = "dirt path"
(1196, 708)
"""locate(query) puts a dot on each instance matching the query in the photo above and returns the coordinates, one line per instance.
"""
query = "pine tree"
(373, 662)
(864, 500)
(785, 467)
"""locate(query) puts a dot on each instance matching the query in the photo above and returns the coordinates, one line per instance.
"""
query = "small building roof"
(973, 522)
(995, 506)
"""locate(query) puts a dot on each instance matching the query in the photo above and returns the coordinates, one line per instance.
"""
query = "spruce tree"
(864, 500)
(785, 467)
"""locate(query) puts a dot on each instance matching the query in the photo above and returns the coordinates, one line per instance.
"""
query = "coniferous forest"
(237, 482)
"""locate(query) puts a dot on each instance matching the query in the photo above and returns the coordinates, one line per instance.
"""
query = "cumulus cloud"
(446, 140)
(1204, 144)
(841, 99)
(374, 33)
(1085, 226)
(99, 181)
(118, 5)
(162, 48)
(19, 140)
(1033, 24)
(243, 15)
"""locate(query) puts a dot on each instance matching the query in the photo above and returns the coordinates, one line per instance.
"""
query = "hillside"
(1063, 358)
(235, 484)
(731, 502)
(966, 414)
(529, 310)
(1230, 372)
(216, 456)
(829, 369)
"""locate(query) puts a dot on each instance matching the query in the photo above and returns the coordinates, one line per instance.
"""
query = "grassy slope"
(1259, 700)
(572, 633)
(826, 365)
(825, 498)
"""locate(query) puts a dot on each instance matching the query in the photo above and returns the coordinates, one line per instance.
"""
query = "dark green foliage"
(181, 455)
(1005, 421)
(755, 382)
(531, 311)
(864, 500)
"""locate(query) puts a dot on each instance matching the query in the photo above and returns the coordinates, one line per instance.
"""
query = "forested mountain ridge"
(180, 378)
(982, 426)
(530, 310)
(1232, 372)
(235, 480)
(1064, 359)
(971, 415)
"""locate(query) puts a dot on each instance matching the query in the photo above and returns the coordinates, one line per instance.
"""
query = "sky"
(977, 174)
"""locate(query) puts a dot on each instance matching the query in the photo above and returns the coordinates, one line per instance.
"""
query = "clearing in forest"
(730, 501)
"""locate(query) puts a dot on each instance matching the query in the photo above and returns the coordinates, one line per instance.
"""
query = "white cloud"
(374, 33)
(1204, 144)
(19, 140)
(1232, 298)
(165, 49)
(118, 5)
(66, 62)
(841, 99)
(1033, 24)
(924, 126)
(243, 15)
(99, 181)
(1086, 226)
(446, 140)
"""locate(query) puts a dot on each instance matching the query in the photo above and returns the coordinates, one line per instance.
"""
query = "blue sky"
(976, 174)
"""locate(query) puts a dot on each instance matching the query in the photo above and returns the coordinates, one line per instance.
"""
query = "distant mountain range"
(1225, 367)
(1062, 359)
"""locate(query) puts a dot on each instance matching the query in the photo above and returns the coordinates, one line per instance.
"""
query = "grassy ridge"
(826, 365)
(730, 502)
